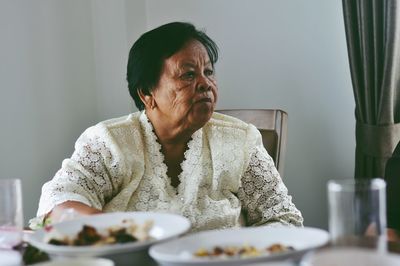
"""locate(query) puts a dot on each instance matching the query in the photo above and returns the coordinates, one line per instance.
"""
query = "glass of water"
(11, 214)
(357, 212)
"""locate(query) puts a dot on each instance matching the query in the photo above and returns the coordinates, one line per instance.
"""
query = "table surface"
(142, 258)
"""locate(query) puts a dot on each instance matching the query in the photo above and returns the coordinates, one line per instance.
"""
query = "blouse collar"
(191, 155)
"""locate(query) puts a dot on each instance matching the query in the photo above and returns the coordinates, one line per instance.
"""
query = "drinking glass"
(357, 212)
(11, 216)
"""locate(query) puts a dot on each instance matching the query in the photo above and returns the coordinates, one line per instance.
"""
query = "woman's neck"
(174, 140)
(169, 134)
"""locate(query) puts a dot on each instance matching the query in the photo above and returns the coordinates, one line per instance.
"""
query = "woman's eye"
(188, 75)
(209, 72)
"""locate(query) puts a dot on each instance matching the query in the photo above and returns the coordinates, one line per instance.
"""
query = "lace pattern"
(118, 166)
(90, 176)
(264, 195)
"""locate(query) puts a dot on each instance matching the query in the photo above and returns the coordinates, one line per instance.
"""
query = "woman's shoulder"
(229, 125)
(226, 121)
(230, 137)
(115, 127)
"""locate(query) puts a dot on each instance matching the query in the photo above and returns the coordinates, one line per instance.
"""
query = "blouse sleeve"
(264, 196)
(90, 176)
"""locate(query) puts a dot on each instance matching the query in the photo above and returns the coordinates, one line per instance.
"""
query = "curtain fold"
(373, 42)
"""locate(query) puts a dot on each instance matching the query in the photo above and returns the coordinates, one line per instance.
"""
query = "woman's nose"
(203, 84)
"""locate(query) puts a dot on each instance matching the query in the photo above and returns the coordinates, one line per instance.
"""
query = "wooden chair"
(272, 124)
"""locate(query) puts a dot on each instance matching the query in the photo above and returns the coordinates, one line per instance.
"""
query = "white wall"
(63, 69)
(116, 24)
(290, 55)
(47, 88)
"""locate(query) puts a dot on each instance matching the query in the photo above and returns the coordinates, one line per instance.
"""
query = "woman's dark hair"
(148, 53)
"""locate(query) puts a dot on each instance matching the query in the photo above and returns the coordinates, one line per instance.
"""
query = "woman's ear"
(148, 100)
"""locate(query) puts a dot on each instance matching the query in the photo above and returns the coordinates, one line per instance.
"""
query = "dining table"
(142, 257)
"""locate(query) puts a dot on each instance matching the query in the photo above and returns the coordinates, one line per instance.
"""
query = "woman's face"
(186, 93)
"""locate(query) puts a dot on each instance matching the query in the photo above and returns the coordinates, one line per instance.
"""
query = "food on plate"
(32, 255)
(128, 231)
(244, 251)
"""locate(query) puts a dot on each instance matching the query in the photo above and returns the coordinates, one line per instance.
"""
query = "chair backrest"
(272, 124)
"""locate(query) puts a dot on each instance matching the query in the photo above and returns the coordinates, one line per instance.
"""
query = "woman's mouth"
(204, 100)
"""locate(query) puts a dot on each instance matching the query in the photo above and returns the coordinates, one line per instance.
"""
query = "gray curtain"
(373, 42)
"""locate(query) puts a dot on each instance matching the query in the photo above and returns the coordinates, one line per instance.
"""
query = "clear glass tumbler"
(11, 214)
(357, 212)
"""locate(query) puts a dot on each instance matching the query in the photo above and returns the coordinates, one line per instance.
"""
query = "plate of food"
(108, 234)
(239, 246)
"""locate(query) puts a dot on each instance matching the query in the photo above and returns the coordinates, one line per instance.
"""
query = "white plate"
(178, 252)
(351, 256)
(78, 262)
(166, 226)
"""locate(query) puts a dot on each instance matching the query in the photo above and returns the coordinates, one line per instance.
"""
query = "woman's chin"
(202, 115)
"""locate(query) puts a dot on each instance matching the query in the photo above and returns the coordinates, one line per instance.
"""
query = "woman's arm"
(86, 181)
(81, 209)
(264, 196)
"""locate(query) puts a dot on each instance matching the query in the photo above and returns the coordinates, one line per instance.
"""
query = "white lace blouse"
(118, 166)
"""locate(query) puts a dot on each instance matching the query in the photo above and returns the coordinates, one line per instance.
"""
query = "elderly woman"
(174, 155)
